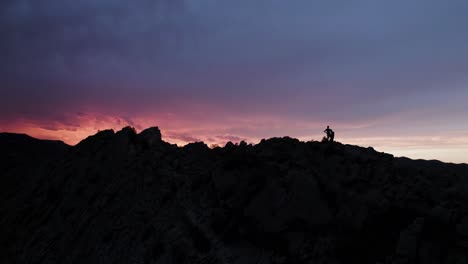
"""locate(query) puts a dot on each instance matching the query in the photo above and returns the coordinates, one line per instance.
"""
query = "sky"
(387, 74)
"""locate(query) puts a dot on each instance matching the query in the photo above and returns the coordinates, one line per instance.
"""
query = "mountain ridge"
(19, 135)
(123, 197)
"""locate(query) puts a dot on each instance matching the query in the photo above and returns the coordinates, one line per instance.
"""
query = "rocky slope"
(133, 198)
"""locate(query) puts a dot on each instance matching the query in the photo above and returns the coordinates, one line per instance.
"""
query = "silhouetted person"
(330, 134)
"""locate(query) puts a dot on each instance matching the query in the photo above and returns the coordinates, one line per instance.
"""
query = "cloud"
(180, 137)
(232, 138)
(306, 55)
(251, 69)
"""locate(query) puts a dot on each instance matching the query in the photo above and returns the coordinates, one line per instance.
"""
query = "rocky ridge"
(123, 197)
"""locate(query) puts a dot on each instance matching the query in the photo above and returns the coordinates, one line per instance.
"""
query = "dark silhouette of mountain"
(22, 160)
(21, 144)
(132, 198)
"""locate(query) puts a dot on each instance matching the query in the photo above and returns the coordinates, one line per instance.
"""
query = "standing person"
(330, 134)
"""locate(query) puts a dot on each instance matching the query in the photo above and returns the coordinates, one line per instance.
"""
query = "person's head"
(328, 126)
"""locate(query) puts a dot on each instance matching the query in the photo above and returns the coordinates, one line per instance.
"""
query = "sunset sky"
(388, 74)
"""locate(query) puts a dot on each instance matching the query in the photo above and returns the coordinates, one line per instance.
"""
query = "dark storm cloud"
(60, 49)
(295, 57)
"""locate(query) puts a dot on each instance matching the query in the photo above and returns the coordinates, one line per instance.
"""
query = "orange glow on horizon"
(442, 146)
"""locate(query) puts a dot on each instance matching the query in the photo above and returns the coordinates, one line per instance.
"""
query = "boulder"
(150, 136)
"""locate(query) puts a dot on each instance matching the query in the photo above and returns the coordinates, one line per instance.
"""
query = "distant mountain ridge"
(124, 197)
(14, 140)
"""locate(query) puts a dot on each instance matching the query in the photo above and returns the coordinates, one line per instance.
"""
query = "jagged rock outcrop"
(132, 198)
(150, 136)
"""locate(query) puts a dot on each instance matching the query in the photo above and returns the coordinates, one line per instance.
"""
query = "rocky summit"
(123, 197)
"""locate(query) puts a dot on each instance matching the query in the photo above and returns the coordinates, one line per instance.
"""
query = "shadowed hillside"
(23, 160)
(133, 198)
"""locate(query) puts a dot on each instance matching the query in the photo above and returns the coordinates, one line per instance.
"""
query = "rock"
(100, 138)
(133, 198)
(150, 136)
(462, 227)
(276, 207)
(229, 145)
(441, 214)
(408, 242)
(429, 253)
(196, 147)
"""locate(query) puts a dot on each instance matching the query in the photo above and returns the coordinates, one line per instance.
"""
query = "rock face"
(132, 198)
